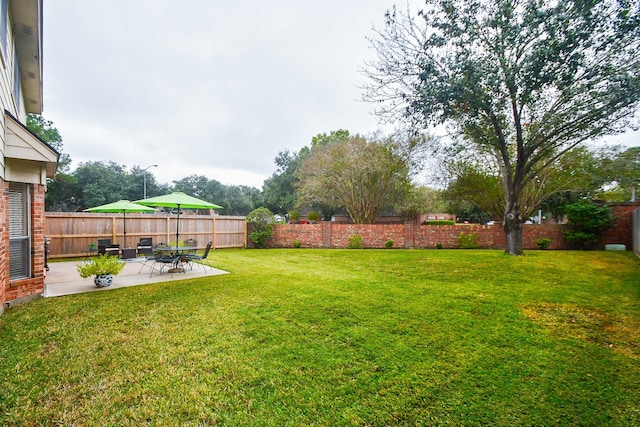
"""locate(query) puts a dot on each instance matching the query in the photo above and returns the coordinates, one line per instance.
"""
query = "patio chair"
(164, 261)
(148, 261)
(191, 243)
(103, 244)
(113, 249)
(202, 259)
(145, 247)
(129, 254)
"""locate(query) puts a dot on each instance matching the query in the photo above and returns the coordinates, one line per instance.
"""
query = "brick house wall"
(24, 157)
(12, 292)
(4, 237)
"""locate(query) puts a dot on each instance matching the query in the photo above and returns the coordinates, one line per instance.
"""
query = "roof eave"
(26, 16)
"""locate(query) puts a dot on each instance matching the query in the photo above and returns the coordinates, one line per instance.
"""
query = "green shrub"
(313, 216)
(261, 221)
(297, 243)
(355, 242)
(104, 264)
(438, 245)
(580, 239)
(294, 216)
(586, 221)
(388, 244)
(543, 243)
(467, 241)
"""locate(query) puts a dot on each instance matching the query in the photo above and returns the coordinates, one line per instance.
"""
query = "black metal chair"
(148, 261)
(164, 261)
(103, 244)
(145, 247)
(201, 259)
(191, 243)
(129, 254)
(113, 249)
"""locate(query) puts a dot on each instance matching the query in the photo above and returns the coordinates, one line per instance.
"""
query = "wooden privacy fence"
(71, 233)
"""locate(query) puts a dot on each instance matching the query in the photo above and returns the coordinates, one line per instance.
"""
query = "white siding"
(7, 101)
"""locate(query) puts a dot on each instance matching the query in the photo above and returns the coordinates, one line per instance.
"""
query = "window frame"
(19, 231)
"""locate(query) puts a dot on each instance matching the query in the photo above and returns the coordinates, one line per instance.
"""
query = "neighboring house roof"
(24, 145)
(26, 19)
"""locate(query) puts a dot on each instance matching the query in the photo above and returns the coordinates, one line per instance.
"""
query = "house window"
(19, 238)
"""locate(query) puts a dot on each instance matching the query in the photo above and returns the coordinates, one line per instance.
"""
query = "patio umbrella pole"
(178, 227)
(124, 227)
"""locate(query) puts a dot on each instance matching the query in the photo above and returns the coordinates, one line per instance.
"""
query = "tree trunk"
(513, 228)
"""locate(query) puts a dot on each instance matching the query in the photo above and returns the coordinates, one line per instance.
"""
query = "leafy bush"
(580, 239)
(586, 221)
(388, 244)
(294, 216)
(261, 221)
(543, 243)
(297, 243)
(313, 216)
(467, 241)
(104, 264)
(438, 245)
(355, 242)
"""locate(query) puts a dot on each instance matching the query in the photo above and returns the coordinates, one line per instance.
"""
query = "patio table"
(179, 256)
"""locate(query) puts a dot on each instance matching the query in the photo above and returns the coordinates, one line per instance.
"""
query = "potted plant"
(103, 268)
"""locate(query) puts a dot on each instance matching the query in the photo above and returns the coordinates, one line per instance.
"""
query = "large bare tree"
(523, 80)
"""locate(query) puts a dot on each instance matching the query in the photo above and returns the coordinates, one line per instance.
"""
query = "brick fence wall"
(622, 230)
(407, 235)
(411, 235)
(636, 231)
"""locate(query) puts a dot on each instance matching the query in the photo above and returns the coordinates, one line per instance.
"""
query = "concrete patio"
(63, 277)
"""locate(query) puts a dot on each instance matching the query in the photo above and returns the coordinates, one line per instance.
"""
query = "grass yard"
(338, 337)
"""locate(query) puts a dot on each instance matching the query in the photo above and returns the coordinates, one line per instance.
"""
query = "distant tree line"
(360, 176)
(98, 182)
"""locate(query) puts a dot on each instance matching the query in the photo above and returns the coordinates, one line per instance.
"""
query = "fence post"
(114, 238)
(213, 232)
(168, 238)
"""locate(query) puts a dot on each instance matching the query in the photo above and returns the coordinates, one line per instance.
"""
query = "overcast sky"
(213, 88)
(203, 87)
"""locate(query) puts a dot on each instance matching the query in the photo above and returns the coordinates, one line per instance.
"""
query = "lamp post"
(144, 177)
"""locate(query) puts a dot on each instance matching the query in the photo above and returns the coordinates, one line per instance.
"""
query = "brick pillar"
(326, 234)
(409, 234)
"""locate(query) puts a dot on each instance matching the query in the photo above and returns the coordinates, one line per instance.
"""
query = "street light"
(144, 177)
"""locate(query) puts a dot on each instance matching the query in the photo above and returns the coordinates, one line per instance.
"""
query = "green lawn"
(338, 337)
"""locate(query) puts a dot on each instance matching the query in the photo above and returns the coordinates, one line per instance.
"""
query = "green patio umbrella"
(178, 200)
(123, 206)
